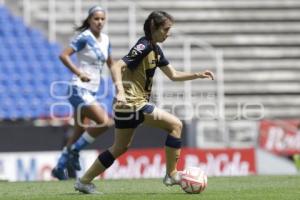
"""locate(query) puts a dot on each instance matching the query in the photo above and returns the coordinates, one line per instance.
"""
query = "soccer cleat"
(89, 188)
(172, 180)
(59, 173)
(74, 159)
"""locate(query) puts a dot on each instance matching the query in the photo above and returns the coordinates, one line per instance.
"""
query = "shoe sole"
(84, 192)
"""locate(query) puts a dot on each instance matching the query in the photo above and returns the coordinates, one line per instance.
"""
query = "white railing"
(217, 56)
(78, 11)
(78, 16)
(26, 11)
(132, 23)
(52, 20)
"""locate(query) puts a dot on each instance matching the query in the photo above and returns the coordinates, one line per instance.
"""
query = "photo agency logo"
(205, 106)
(196, 105)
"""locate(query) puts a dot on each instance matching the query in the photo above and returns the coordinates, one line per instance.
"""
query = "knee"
(176, 129)
(110, 122)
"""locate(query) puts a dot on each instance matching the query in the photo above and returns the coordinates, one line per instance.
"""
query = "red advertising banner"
(221, 162)
(280, 136)
(150, 163)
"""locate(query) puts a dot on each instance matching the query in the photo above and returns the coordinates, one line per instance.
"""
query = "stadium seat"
(29, 65)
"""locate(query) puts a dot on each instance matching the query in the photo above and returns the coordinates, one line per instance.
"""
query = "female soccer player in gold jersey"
(133, 79)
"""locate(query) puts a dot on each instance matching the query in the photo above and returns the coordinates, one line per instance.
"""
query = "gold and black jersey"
(142, 60)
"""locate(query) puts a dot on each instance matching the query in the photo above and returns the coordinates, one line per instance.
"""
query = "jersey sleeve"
(136, 54)
(162, 59)
(78, 42)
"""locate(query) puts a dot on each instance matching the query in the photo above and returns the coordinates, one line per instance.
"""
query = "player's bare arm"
(65, 58)
(175, 75)
(109, 62)
(116, 73)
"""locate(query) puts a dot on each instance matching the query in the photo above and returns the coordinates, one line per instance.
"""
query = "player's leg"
(97, 114)
(122, 141)
(76, 134)
(103, 122)
(168, 122)
(60, 171)
(84, 102)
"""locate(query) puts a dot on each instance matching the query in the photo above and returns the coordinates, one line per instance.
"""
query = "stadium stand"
(259, 40)
(260, 43)
(29, 65)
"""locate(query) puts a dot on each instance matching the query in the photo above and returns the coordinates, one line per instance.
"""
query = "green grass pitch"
(235, 188)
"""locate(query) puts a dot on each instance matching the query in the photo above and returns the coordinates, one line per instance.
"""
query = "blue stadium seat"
(29, 64)
(4, 54)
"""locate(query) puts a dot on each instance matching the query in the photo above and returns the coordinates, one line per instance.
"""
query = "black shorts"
(132, 119)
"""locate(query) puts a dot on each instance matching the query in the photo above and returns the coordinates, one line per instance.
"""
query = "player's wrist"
(79, 74)
(198, 75)
(119, 87)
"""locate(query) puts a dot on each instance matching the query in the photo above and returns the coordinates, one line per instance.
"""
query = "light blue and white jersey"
(91, 55)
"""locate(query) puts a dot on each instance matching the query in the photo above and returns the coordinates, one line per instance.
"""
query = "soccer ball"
(193, 180)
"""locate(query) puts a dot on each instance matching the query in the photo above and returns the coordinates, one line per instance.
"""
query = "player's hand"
(206, 74)
(120, 99)
(84, 77)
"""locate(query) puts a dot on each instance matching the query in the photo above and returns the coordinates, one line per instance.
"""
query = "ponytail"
(84, 26)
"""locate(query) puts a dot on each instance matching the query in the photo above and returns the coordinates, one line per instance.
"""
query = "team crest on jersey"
(140, 47)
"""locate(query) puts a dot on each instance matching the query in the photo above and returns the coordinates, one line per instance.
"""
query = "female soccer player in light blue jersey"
(93, 50)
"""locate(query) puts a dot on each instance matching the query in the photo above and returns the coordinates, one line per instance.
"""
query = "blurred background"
(246, 122)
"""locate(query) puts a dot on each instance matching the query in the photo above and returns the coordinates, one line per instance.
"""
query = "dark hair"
(85, 24)
(158, 18)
